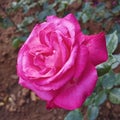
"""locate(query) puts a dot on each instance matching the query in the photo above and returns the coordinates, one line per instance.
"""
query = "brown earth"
(17, 103)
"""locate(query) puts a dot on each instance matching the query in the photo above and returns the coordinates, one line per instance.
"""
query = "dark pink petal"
(64, 75)
(81, 61)
(53, 19)
(46, 95)
(73, 95)
(56, 83)
(62, 54)
(72, 19)
(25, 65)
(38, 34)
(69, 22)
(96, 45)
(67, 27)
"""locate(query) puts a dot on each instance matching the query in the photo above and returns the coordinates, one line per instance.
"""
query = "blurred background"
(17, 18)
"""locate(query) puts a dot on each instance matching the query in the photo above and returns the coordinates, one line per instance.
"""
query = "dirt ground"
(18, 103)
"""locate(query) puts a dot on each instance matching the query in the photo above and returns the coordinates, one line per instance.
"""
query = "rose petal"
(58, 82)
(69, 22)
(53, 19)
(45, 95)
(96, 46)
(72, 95)
(72, 19)
(81, 61)
(69, 18)
(59, 79)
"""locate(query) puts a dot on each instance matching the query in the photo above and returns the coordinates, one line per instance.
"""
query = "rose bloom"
(58, 62)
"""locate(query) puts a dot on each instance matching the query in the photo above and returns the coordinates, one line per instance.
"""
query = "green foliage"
(105, 88)
(116, 10)
(113, 79)
(58, 6)
(74, 115)
(90, 100)
(108, 80)
(48, 9)
(117, 79)
(5, 22)
(112, 42)
(16, 41)
(24, 23)
(116, 58)
(97, 13)
(88, 11)
(116, 27)
(26, 5)
(114, 95)
(103, 68)
(100, 98)
(93, 112)
(85, 14)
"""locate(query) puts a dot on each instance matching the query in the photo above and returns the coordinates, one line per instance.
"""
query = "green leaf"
(85, 18)
(90, 100)
(93, 112)
(74, 115)
(62, 6)
(112, 42)
(42, 15)
(71, 1)
(100, 98)
(116, 10)
(28, 20)
(116, 27)
(87, 6)
(108, 80)
(107, 15)
(5, 22)
(85, 31)
(112, 62)
(78, 15)
(117, 79)
(16, 41)
(119, 2)
(117, 60)
(103, 69)
(100, 7)
(114, 96)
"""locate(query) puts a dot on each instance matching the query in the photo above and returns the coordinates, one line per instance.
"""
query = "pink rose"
(58, 61)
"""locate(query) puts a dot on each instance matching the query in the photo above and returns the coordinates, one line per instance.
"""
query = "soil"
(18, 103)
